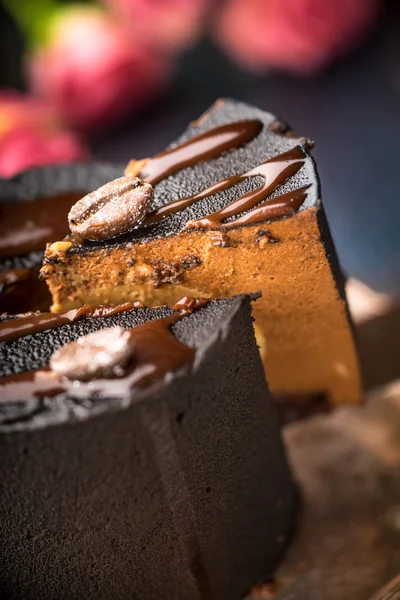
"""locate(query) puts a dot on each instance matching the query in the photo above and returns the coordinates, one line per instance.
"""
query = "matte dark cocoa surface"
(193, 180)
(34, 351)
(183, 493)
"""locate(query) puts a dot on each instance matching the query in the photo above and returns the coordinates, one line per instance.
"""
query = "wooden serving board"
(347, 465)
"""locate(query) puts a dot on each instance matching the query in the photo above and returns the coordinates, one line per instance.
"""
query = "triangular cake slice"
(175, 489)
(238, 209)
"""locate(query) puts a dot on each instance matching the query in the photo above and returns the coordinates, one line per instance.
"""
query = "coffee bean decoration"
(113, 209)
(103, 354)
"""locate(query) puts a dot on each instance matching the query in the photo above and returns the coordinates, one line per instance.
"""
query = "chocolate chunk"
(264, 237)
(171, 271)
(113, 209)
(104, 353)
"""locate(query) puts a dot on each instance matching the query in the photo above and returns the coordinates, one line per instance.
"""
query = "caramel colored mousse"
(274, 240)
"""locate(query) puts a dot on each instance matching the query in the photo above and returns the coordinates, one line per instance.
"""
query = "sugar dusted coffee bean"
(113, 209)
(103, 354)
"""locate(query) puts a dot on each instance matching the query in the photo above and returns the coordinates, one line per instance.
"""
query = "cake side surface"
(300, 312)
(144, 499)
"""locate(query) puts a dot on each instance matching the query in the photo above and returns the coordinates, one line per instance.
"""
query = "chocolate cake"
(237, 208)
(33, 211)
(175, 486)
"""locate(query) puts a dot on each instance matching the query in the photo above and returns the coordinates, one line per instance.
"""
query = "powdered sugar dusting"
(115, 208)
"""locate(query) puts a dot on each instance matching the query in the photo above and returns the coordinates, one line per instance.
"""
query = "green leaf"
(34, 18)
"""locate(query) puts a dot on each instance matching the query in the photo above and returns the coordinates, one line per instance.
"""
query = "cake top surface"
(193, 334)
(263, 138)
(251, 137)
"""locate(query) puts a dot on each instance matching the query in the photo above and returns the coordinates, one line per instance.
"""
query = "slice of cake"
(161, 476)
(237, 208)
(33, 211)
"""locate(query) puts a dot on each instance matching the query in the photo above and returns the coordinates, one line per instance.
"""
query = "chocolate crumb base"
(49, 180)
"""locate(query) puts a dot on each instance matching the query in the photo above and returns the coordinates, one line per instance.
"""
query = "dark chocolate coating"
(192, 180)
(182, 492)
(34, 351)
(48, 181)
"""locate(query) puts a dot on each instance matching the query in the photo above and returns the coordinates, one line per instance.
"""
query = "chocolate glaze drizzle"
(157, 352)
(22, 291)
(38, 383)
(205, 146)
(27, 226)
(13, 329)
(189, 304)
(274, 172)
(279, 206)
(13, 276)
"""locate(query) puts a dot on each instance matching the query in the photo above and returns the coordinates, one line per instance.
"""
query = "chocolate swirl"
(274, 172)
(157, 352)
(12, 329)
(28, 226)
(205, 146)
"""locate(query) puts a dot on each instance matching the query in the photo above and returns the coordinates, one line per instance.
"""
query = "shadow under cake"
(177, 489)
(269, 234)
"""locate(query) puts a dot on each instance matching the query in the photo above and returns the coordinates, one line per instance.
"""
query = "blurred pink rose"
(23, 112)
(301, 36)
(165, 24)
(31, 134)
(22, 149)
(93, 70)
